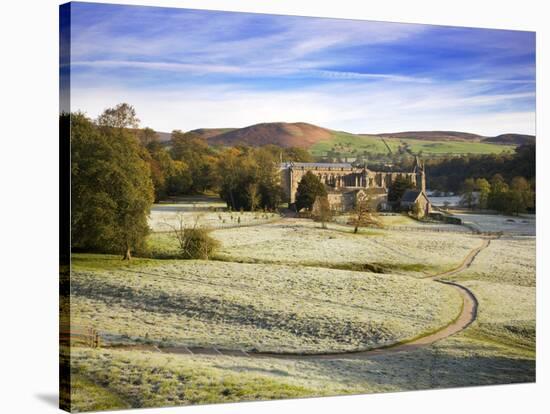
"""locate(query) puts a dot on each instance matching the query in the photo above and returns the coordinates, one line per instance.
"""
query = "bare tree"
(365, 214)
(321, 211)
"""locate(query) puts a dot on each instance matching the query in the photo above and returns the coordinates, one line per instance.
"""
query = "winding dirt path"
(463, 320)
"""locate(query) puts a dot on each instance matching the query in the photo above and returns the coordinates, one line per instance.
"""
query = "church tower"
(418, 170)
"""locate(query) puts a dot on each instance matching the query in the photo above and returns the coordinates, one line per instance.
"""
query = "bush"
(196, 243)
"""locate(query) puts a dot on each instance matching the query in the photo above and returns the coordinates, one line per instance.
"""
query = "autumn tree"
(198, 156)
(179, 180)
(249, 178)
(268, 178)
(121, 116)
(484, 189)
(523, 195)
(149, 138)
(497, 196)
(230, 176)
(170, 177)
(161, 166)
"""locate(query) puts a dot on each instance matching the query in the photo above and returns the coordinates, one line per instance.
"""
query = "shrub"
(196, 243)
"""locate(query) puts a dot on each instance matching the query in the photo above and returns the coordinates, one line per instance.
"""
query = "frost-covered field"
(522, 225)
(402, 220)
(299, 241)
(204, 211)
(164, 219)
(142, 379)
(503, 278)
(276, 287)
(506, 312)
(506, 260)
(263, 307)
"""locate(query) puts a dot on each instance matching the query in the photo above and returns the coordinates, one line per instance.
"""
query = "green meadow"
(352, 145)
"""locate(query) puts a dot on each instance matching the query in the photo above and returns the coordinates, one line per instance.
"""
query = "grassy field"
(450, 147)
(164, 217)
(145, 379)
(257, 307)
(346, 143)
(503, 280)
(304, 242)
(351, 145)
(507, 260)
(283, 286)
(87, 395)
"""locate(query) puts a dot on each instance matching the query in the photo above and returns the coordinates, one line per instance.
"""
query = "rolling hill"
(433, 136)
(208, 133)
(319, 140)
(512, 139)
(299, 134)
(350, 145)
(506, 139)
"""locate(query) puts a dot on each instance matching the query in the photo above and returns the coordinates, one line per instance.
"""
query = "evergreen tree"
(309, 188)
(398, 187)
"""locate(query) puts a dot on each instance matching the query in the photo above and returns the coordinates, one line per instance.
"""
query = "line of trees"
(118, 170)
(249, 178)
(448, 174)
(515, 197)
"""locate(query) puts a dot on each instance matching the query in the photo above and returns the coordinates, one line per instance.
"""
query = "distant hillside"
(505, 139)
(299, 134)
(205, 133)
(321, 141)
(512, 139)
(433, 136)
(208, 133)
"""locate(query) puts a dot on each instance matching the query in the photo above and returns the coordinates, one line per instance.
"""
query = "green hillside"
(352, 145)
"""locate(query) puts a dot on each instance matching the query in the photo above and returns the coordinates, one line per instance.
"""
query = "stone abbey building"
(346, 183)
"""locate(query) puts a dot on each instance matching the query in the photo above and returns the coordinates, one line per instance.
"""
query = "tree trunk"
(233, 207)
(128, 254)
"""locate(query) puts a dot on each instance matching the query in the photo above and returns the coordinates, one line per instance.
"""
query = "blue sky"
(186, 69)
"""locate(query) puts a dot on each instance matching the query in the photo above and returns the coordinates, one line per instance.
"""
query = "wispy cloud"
(188, 69)
(353, 107)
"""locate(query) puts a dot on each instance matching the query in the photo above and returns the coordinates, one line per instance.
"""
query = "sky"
(186, 69)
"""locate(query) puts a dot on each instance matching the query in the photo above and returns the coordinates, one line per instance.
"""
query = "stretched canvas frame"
(282, 257)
